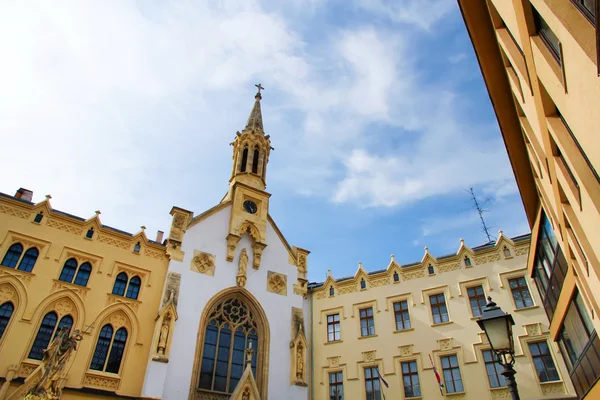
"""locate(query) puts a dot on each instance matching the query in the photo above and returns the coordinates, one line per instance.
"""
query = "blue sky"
(376, 109)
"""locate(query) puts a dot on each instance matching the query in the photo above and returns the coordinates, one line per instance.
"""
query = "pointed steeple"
(255, 119)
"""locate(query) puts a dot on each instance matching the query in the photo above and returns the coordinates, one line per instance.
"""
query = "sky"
(376, 109)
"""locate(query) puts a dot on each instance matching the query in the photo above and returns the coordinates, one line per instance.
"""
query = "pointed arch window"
(255, 157)
(11, 258)
(47, 331)
(331, 291)
(6, 311)
(133, 290)
(396, 276)
(71, 270)
(244, 159)
(229, 330)
(430, 270)
(137, 248)
(38, 217)
(506, 251)
(90, 233)
(29, 259)
(109, 350)
(120, 284)
(363, 284)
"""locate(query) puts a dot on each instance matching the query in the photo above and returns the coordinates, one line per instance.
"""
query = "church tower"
(247, 185)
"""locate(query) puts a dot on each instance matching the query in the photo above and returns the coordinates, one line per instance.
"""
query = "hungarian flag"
(437, 376)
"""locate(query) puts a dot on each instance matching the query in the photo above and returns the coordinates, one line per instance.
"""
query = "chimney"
(159, 236)
(24, 194)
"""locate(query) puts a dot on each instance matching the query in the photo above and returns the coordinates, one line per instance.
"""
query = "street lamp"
(497, 326)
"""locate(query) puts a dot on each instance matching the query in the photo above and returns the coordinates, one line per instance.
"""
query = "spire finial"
(255, 118)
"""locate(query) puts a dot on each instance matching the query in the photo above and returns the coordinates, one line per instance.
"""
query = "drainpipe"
(312, 347)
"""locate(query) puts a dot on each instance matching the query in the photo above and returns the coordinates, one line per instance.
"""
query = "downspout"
(312, 347)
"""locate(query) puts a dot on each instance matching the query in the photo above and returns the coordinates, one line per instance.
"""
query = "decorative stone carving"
(298, 347)
(171, 288)
(121, 244)
(179, 223)
(15, 212)
(63, 307)
(6, 293)
(277, 283)
(114, 299)
(65, 227)
(159, 255)
(79, 290)
(242, 269)
(321, 295)
(448, 267)
(380, 282)
(101, 382)
(407, 276)
(533, 329)
(54, 360)
(487, 259)
(118, 319)
(500, 394)
(334, 362)
(406, 350)
(232, 241)
(203, 263)
(553, 388)
(521, 251)
(483, 338)
(165, 323)
(26, 369)
(445, 344)
(369, 356)
(258, 249)
(348, 289)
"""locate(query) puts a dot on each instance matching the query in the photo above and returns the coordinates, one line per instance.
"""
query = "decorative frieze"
(65, 227)
(159, 255)
(111, 241)
(448, 267)
(102, 382)
(550, 388)
(113, 299)
(15, 212)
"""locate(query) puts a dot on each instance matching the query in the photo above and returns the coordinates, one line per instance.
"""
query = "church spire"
(255, 118)
(251, 150)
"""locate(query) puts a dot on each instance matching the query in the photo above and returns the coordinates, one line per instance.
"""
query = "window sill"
(101, 380)
(475, 318)
(442, 323)
(550, 382)
(335, 342)
(367, 337)
(450, 395)
(526, 308)
(404, 330)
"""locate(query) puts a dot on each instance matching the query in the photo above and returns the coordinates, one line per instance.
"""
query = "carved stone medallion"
(203, 263)
(277, 283)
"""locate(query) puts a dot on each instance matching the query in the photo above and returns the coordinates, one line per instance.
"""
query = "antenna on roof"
(485, 229)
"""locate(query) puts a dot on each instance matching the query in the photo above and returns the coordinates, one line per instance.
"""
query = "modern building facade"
(222, 309)
(540, 60)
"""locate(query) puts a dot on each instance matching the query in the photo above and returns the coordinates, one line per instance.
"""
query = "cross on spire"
(259, 86)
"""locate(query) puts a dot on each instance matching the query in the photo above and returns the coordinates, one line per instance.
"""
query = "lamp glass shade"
(497, 332)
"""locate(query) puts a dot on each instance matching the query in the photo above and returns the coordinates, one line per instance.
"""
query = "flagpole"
(437, 376)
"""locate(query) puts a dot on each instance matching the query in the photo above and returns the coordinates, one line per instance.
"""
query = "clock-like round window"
(250, 207)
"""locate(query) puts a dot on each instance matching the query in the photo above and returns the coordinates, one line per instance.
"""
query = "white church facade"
(234, 297)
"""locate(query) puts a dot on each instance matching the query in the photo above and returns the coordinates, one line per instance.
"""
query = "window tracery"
(230, 328)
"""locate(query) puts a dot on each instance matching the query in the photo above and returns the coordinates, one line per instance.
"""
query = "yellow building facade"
(540, 60)
(60, 270)
(405, 318)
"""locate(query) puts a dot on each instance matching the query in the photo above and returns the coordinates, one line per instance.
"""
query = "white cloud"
(422, 13)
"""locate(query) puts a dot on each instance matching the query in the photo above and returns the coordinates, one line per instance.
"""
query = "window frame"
(544, 358)
(401, 312)
(477, 298)
(520, 289)
(410, 375)
(334, 323)
(588, 14)
(336, 385)
(4, 318)
(437, 305)
(541, 32)
(452, 370)
(367, 318)
(497, 369)
(373, 379)
(12, 254)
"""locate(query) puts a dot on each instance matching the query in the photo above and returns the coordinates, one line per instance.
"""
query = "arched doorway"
(230, 321)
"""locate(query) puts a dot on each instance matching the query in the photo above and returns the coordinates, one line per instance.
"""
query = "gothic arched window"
(111, 346)
(363, 284)
(331, 291)
(83, 275)
(90, 233)
(6, 311)
(48, 330)
(12, 255)
(137, 248)
(255, 161)
(29, 259)
(230, 328)
(396, 276)
(120, 284)
(38, 217)
(134, 287)
(506, 251)
(430, 270)
(70, 271)
(467, 261)
(244, 160)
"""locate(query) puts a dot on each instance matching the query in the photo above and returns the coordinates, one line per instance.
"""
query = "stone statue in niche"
(164, 334)
(300, 363)
(246, 394)
(242, 269)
